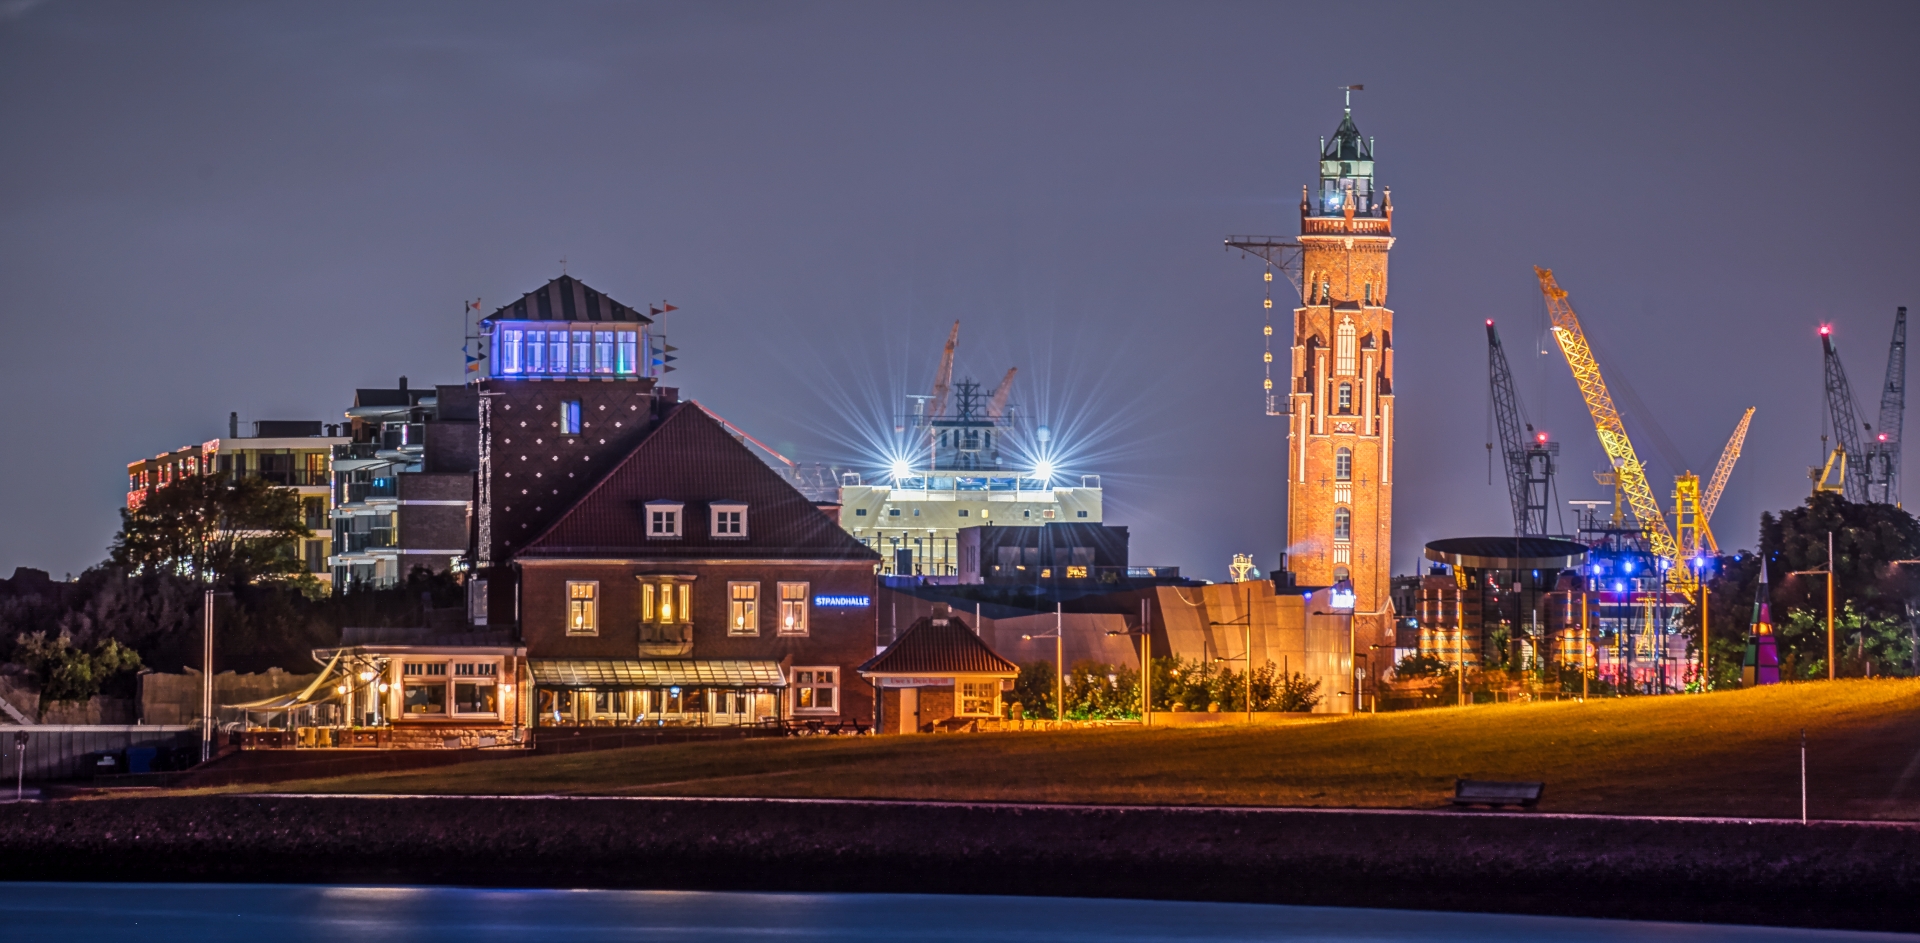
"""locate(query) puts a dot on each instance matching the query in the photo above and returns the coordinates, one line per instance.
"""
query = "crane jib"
(1606, 419)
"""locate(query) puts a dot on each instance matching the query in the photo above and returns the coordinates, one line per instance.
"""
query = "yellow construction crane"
(1631, 474)
(1692, 509)
(1691, 535)
(1724, 469)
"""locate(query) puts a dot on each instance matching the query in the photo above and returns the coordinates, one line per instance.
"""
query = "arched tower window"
(1343, 464)
(1343, 362)
(1342, 524)
(1346, 397)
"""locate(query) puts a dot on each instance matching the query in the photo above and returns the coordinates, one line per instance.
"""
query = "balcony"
(359, 491)
(666, 641)
(351, 542)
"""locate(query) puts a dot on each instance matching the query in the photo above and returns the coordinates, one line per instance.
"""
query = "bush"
(67, 672)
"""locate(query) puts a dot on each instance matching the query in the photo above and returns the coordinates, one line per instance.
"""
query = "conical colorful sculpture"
(1762, 664)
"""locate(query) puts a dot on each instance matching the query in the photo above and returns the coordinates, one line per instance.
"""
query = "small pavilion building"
(938, 674)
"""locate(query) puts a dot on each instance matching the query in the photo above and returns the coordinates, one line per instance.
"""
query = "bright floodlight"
(1043, 470)
(901, 469)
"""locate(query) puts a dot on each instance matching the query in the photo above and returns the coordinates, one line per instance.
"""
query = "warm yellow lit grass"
(1733, 753)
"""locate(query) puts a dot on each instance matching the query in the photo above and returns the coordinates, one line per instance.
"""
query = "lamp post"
(1145, 632)
(1059, 666)
(1828, 573)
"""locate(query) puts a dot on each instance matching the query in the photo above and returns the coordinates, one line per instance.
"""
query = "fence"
(66, 751)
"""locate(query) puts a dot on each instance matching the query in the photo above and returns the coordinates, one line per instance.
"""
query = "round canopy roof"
(1508, 553)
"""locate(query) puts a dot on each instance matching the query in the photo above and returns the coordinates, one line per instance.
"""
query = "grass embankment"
(1733, 753)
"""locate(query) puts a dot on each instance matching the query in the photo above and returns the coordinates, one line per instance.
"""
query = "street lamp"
(1828, 573)
(1059, 665)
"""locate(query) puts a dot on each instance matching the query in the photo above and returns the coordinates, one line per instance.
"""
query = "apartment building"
(294, 454)
(402, 483)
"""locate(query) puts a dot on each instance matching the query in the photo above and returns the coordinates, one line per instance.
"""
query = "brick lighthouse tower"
(1340, 403)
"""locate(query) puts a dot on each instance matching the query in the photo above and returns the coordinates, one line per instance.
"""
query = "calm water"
(281, 914)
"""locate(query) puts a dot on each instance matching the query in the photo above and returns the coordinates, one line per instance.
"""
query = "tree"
(1033, 689)
(67, 672)
(214, 529)
(1867, 538)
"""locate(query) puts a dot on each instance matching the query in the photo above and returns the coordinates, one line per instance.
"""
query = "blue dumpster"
(140, 759)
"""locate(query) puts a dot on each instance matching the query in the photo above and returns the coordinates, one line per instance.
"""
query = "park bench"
(1494, 794)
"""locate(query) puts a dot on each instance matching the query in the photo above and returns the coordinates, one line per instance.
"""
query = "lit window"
(603, 351)
(663, 519)
(979, 699)
(425, 698)
(1343, 361)
(1342, 524)
(474, 697)
(570, 417)
(556, 352)
(583, 616)
(815, 690)
(793, 608)
(628, 361)
(743, 609)
(1076, 572)
(536, 351)
(665, 602)
(1346, 397)
(1343, 464)
(729, 519)
(582, 352)
(510, 350)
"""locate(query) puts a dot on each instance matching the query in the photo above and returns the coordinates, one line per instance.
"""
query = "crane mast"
(1884, 451)
(1632, 475)
(1846, 421)
(1529, 463)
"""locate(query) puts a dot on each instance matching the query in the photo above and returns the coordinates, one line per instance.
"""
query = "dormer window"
(663, 519)
(729, 519)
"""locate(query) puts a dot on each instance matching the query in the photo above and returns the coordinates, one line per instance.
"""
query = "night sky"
(257, 207)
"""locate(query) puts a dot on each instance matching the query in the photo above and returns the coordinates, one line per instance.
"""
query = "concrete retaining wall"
(1863, 876)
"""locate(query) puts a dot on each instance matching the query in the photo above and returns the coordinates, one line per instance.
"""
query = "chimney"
(403, 384)
(233, 425)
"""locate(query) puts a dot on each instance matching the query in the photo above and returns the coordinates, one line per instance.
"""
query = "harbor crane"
(1527, 457)
(1846, 423)
(1870, 452)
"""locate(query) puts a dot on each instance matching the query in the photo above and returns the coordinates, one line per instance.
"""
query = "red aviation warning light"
(1826, 329)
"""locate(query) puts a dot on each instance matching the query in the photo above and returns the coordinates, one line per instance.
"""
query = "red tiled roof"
(942, 647)
(690, 458)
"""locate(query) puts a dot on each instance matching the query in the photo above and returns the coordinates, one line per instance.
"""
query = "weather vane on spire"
(1350, 89)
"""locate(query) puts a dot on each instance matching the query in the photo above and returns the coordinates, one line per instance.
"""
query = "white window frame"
(570, 417)
(590, 626)
(961, 697)
(674, 519)
(743, 608)
(1346, 338)
(794, 605)
(727, 520)
(811, 674)
(473, 672)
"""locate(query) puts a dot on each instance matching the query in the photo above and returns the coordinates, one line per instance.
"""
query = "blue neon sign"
(843, 602)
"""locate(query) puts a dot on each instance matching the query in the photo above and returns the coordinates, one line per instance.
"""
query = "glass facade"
(540, 349)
